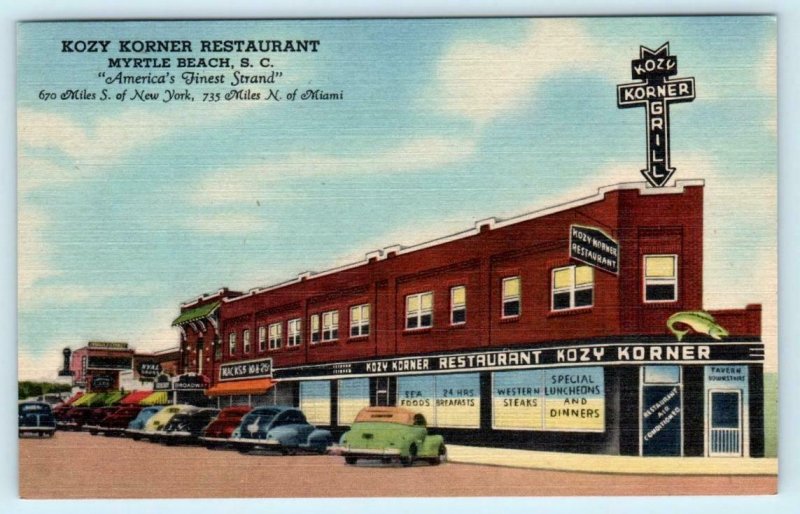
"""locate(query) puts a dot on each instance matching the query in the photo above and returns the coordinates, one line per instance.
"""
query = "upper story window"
(330, 325)
(262, 339)
(295, 330)
(232, 343)
(511, 297)
(660, 278)
(314, 328)
(275, 334)
(246, 340)
(419, 310)
(573, 287)
(359, 320)
(458, 305)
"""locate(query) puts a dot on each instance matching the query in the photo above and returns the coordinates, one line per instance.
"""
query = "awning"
(74, 398)
(156, 398)
(113, 398)
(253, 386)
(84, 400)
(195, 314)
(135, 397)
(98, 401)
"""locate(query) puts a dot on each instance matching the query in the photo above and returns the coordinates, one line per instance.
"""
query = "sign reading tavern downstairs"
(593, 247)
(590, 354)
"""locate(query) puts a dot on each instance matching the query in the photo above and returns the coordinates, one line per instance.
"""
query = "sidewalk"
(611, 463)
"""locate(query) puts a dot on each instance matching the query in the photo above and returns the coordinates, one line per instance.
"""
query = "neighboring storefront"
(551, 331)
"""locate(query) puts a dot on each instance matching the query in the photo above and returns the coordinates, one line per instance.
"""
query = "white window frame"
(457, 307)
(659, 280)
(315, 329)
(246, 341)
(330, 326)
(294, 329)
(262, 338)
(275, 335)
(232, 343)
(571, 289)
(361, 326)
(510, 298)
(420, 311)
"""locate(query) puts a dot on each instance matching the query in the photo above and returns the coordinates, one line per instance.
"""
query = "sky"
(126, 209)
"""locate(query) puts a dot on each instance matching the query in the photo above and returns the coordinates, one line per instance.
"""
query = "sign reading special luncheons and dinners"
(260, 368)
(594, 247)
(564, 399)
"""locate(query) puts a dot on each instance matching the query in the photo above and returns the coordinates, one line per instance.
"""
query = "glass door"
(725, 423)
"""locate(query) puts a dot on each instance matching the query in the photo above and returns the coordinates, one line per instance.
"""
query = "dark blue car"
(36, 418)
(284, 429)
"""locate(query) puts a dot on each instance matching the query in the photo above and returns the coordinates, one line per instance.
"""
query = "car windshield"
(33, 408)
(403, 417)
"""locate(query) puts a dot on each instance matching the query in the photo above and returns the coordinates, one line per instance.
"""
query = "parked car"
(155, 425)
(117, 422)
(389, 433)
(97, 416)
(75, 418)
(36, 418)
(137, 424)
(279, 428)
(218, 433)
(185, 428)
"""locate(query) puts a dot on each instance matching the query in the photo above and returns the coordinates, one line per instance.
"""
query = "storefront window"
(444, 400)
(353, 396)
(315, 401)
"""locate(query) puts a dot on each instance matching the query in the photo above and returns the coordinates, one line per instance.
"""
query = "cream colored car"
(157, 422)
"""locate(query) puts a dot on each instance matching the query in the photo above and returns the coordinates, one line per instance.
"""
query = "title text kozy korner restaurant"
(546, 331)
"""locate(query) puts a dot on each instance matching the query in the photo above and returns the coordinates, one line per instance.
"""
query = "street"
(78, 465)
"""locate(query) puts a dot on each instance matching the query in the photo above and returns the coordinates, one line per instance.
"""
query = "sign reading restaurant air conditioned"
(261, 368)
(594, 247)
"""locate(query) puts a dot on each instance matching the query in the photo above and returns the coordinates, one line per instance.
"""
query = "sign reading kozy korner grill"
(615, 353)
(594, 247)
(261, 368)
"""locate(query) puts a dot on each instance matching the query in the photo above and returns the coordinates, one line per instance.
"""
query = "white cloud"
(33, 254)
(480, 80)
(252, 183)
(39, 364)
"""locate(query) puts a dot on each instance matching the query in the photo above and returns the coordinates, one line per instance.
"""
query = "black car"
(187, 427)
(36, 418)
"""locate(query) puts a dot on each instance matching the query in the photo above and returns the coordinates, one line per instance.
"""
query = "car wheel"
(412, 454)
(441, 457)
(350, 460)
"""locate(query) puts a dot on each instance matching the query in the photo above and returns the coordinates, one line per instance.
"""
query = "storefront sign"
(661, 420)
(98, 362)
(190, 383)
(576, 355)
(148, 369)
(446, 400)
(563, 399)
(261, 368)
(107, 346)
(593, 247)
(162, 383)
(102, 383)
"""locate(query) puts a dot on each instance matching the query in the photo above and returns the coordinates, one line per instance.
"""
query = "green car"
(389, 433)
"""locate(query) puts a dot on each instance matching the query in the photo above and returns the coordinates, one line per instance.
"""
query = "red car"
(218, 432)
(116, 423)
(97, 416)
(74, 418)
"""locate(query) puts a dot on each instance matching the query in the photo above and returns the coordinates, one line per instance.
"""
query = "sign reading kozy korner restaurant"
(260, 368)
(592, 246)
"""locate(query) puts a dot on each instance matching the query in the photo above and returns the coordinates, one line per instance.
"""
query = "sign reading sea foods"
(655, 93)
(261, 368)
(593, 247)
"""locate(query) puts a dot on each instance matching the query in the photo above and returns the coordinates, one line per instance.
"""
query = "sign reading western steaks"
(592, 246)
(655, 93)
(261, 368)
(615, 353)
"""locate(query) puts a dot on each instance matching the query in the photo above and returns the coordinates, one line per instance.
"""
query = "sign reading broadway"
(261, 368)
(524, 358)
(593, 247)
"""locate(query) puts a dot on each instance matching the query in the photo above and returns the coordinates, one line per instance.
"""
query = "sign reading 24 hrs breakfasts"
(260, 368)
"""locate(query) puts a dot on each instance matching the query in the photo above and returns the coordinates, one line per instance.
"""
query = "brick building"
(526, 332)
